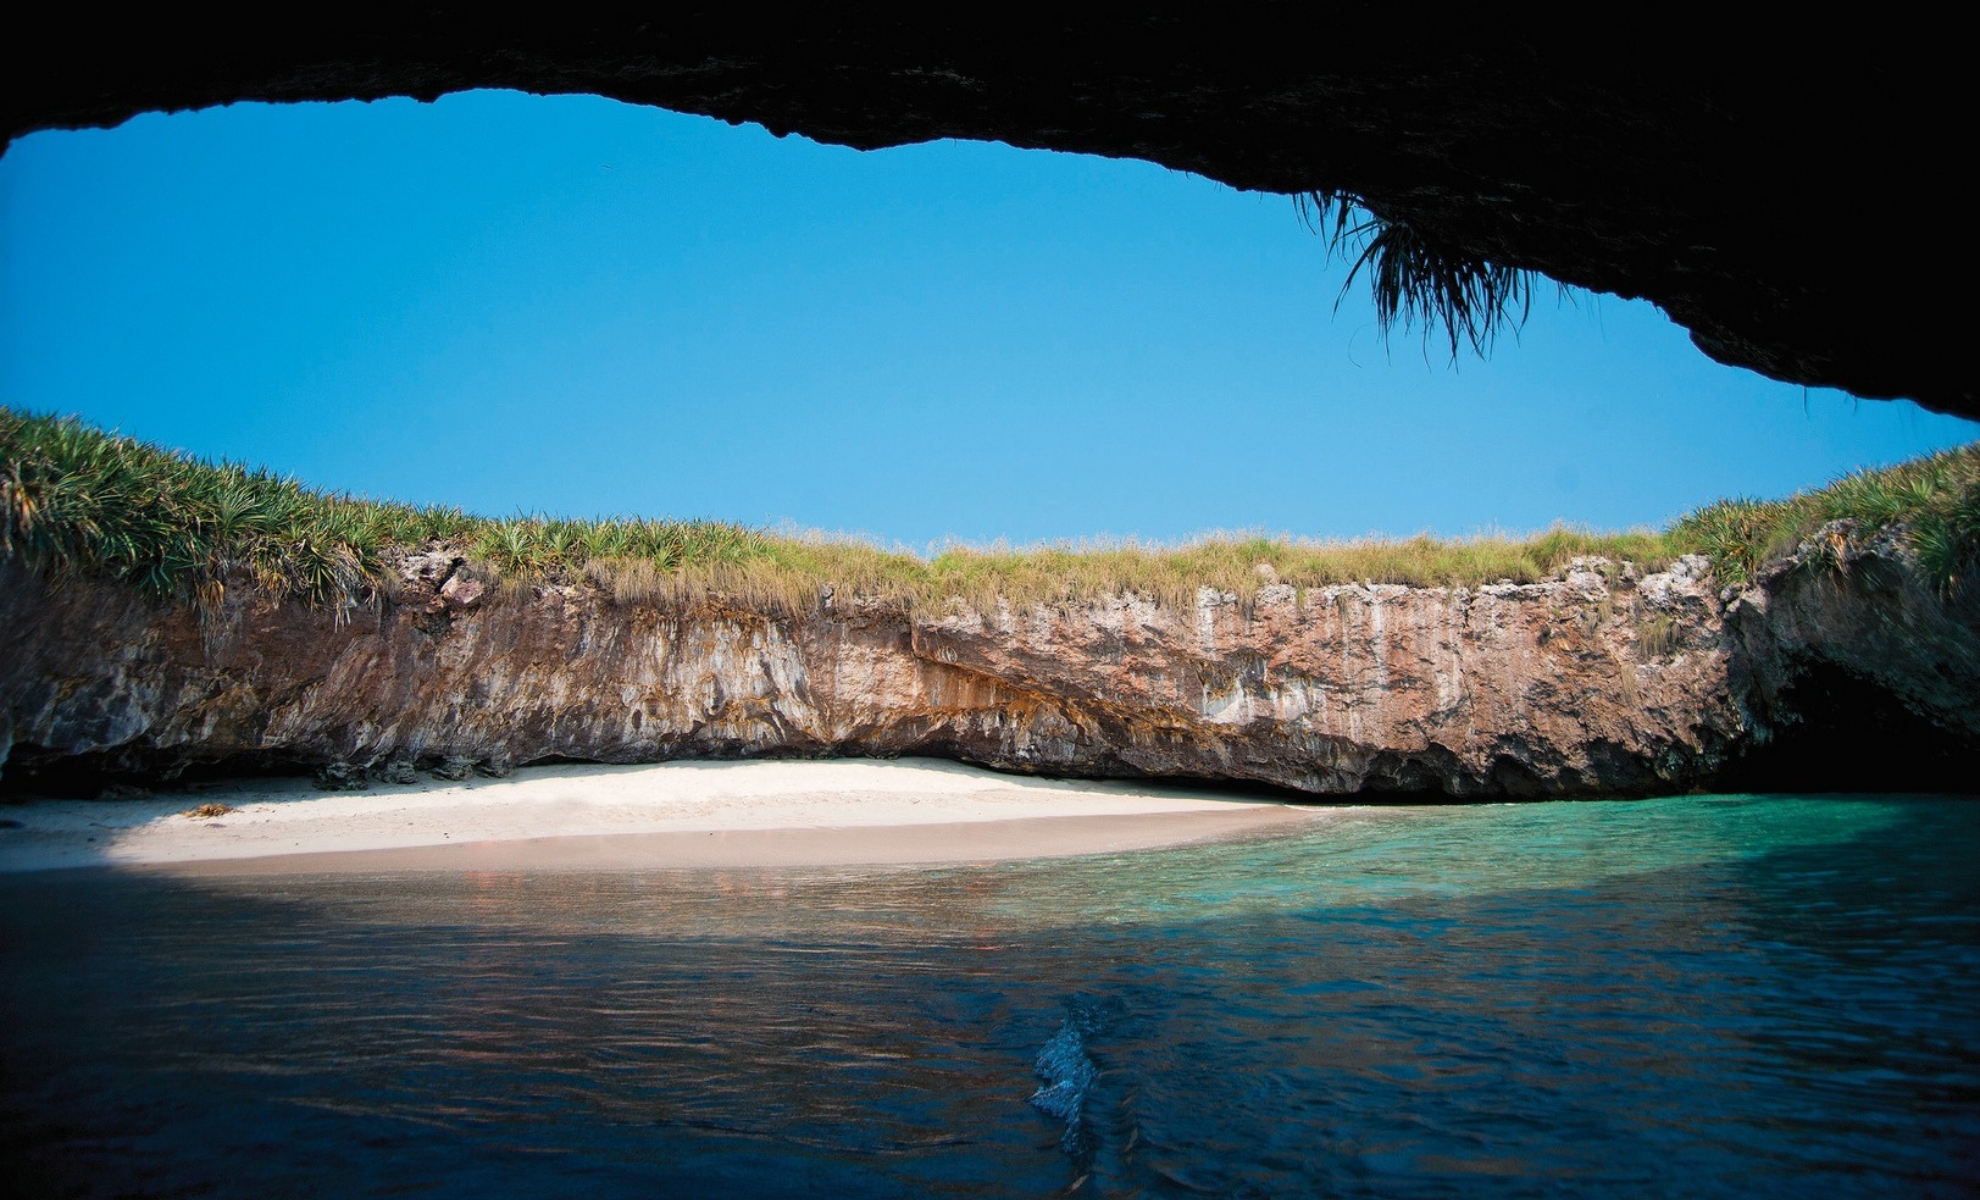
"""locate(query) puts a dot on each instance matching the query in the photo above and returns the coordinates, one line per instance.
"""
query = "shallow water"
(1697, 996)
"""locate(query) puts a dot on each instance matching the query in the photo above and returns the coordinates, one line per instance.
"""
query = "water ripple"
(1703, 997)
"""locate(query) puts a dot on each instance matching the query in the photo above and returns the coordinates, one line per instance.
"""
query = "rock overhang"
(1786, 194)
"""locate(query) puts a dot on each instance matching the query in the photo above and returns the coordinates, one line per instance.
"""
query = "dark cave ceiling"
(1788, 194)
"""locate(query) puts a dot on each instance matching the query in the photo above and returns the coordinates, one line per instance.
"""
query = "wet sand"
(589, 817)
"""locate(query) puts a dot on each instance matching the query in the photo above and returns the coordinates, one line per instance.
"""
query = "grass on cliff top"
(1933, 501)
(76, 499)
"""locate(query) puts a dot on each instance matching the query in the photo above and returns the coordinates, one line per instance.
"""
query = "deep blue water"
(1700, 996)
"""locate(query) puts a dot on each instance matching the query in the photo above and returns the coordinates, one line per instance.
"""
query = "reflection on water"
(1694, 996)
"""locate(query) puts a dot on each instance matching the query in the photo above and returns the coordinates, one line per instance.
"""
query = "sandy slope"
(668, 815)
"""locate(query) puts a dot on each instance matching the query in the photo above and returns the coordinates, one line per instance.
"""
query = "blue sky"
(573, 306)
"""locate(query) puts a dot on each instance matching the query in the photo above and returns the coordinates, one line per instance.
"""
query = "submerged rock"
(1066, 1071)
(1604, 682)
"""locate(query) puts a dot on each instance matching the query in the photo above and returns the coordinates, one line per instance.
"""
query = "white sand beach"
(669, 815)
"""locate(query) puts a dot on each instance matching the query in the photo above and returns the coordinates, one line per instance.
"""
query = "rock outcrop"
(1857, 671)
(1603, 682)
(1725, 169)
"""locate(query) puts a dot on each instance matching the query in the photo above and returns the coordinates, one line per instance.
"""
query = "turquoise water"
(1695, 996)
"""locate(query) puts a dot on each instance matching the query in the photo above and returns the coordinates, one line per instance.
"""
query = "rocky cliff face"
(1857, 672)
(1600, 683)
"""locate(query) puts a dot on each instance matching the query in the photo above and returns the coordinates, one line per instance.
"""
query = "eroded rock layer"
(1599, 683)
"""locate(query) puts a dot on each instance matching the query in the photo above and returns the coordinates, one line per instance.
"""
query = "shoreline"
(666, 816)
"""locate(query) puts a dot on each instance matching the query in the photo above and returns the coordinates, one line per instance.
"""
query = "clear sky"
(577, 307)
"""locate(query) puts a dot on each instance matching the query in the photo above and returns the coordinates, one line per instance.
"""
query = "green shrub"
(1934, 501)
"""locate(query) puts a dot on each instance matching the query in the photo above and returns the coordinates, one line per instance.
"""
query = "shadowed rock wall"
(1784, 189)
(1601, 683)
